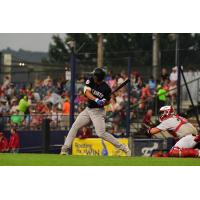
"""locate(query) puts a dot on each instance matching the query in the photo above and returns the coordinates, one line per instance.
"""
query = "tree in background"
(115, 45)
(120, 45)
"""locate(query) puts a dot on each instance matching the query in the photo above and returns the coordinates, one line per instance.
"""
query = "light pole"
(100, 50)
(73, 80)
(155, 56)
(178, 99)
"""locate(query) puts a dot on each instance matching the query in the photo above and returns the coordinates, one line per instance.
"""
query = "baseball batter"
(98, 94)
(181, 129)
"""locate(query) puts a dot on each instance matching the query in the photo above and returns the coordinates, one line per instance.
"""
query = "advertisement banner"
(145, 147)
(96, 147)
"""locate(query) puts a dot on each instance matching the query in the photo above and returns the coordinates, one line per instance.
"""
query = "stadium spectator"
(3, 143)
(166, 85)
(80, 98)
(10, 90)
(148, 118)
(55, 117)
(112, 82)
(120, 79)
(4, 107)
(152, 85)
(16, 118)
(164, 75)
(136, 84)
(6, 83)
(66, 106)
(120, 97)
(34, 120)
(172, 92)
(162, 97)
(174, 74)
(23, 105)
(14, 142)
(47, 81)
(145, 94)
(113, 110)
(13, 106)
(53, 98)
(65, 112)
(84, 133)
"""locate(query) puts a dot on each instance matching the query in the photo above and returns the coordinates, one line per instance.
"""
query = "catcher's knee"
(183, 152)
(175, 152)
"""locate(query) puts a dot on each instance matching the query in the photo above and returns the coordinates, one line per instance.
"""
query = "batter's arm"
(89, 95)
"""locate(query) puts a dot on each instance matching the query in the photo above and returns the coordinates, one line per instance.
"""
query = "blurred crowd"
(146, 96)
(12, 144)
(27, 105)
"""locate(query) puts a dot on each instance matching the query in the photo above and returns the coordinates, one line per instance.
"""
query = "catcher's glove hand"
(149, 131)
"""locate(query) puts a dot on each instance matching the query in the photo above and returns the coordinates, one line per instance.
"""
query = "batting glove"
(100, 102)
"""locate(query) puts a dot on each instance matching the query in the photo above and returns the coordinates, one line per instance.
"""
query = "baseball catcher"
(184, 132)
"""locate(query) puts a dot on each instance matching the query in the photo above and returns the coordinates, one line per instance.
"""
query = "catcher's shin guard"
(183, 152)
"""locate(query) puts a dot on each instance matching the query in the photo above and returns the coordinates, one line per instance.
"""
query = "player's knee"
(183, 152)
(101, 134)
(175, 152)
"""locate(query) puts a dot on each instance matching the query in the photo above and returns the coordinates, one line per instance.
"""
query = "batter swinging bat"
(120, 86)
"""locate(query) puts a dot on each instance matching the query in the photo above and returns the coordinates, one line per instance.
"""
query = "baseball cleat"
(126, 149)
(65, 150)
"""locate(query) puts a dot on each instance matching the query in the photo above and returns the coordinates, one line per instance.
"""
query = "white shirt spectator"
(120, 81)
(37, 96)
(6, 83)
(54, 99)
(174, 74)
(13, 109)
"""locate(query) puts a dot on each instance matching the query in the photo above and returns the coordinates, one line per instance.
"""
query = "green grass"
(58, 160)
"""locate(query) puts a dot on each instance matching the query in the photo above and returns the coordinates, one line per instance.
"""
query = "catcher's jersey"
(101, 91)
(171, 125)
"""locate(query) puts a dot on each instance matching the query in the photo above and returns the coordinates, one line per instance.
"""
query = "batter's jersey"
(101, 91)
(171, 125)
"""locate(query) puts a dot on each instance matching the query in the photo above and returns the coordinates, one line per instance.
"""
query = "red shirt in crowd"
(147, 119)
(14, 141)
(3, 144)
(85, 133)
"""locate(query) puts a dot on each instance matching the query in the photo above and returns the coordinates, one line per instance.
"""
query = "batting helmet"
(99, 74)
(166, 112)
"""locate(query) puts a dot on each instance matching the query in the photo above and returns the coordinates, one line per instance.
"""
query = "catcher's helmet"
(99, 74)
(166, 112)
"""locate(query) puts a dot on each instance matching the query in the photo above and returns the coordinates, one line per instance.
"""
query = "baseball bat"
(120, 86)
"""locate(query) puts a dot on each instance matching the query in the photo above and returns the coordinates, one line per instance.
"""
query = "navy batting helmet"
(99, 74)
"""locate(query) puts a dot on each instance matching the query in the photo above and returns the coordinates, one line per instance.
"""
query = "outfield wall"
(32, 141)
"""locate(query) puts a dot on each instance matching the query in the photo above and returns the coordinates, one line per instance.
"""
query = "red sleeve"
(146, 119)
(148, 93)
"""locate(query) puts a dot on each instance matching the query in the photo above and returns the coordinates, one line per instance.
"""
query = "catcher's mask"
(166, 112)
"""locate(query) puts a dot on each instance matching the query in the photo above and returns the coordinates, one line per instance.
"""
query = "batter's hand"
(100, 102)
